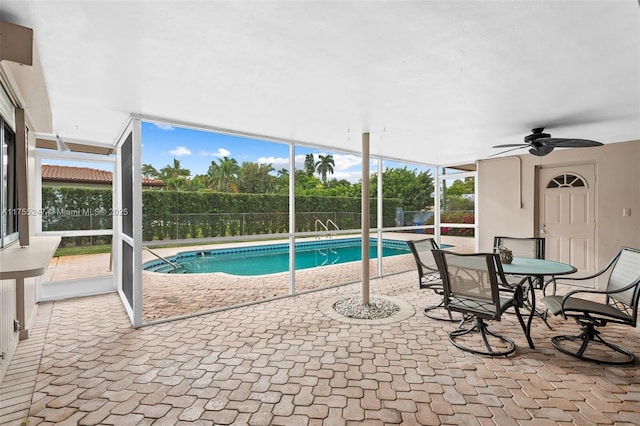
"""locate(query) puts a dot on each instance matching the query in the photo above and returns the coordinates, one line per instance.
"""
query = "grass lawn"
(70, 251)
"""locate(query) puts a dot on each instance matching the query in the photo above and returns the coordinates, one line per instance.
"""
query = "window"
(8, 190)
(566, 180)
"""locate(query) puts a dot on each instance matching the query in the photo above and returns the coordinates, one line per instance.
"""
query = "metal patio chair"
(471, 284)
(618, 304)
(521, 247)
(429, 277)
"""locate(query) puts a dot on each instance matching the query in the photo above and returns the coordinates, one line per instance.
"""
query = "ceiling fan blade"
(571, 143)
(511, 145)
(520, 146)
(542, 150)
(541, 144)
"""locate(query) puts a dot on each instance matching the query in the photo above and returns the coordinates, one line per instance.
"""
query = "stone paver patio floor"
(293, 361)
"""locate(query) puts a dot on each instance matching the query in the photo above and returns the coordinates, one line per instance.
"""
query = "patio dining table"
(536, 269)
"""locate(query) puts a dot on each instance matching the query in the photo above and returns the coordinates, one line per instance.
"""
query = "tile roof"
(51, 173)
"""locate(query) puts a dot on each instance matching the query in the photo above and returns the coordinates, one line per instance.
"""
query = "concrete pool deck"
(168, 296)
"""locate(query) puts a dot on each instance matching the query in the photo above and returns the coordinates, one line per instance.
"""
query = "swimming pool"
(273, 258)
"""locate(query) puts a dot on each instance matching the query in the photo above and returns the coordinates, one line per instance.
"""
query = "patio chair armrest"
(590, 291)
(582, 278)
(609, 265)
(604, 292)
(553, 280)
(515, 289)
(571, 294)
(518, 295)
(505, 285)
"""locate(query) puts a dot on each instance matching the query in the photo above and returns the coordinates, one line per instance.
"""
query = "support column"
(365, 218)
(21, 309)
(292, 219)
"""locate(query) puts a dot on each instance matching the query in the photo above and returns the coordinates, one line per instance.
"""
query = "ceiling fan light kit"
(541, 144)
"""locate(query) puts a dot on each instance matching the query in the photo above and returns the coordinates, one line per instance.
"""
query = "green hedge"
(77, 209)
(171, 215)
(179, 215)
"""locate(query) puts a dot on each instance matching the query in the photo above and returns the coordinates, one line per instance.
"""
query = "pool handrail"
(318, 221)
(329, 221)
(325, 226)
(175, 266)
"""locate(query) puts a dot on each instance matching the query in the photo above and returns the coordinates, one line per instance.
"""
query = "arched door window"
(567, 180)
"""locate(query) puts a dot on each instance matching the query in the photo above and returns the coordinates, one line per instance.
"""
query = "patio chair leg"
(481, 327)
(440, 307)
(591, 335)
(544, 315)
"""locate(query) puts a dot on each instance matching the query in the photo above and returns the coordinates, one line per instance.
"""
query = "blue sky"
(197, 149)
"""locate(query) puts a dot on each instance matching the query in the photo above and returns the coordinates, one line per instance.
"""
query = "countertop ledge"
(31, 261)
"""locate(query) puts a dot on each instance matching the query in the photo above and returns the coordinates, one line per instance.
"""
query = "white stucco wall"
(617, 186)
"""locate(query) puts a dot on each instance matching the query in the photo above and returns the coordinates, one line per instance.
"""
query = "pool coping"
(277, 247)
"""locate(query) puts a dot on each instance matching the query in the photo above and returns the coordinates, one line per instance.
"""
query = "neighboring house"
(85, 177)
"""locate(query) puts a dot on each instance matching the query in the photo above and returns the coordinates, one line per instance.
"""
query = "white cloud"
(163, 126)
(346, 161)
(180, 151)
(347, 166)
(348, 175)
(220, 153)
(299, 161)
(342, 161)
(277, 162)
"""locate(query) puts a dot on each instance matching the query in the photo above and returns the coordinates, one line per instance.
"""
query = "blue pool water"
(274, 258)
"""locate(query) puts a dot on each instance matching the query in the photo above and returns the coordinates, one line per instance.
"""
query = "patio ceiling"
(433, 81)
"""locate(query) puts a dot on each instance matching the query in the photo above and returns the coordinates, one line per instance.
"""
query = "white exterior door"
(567, 216)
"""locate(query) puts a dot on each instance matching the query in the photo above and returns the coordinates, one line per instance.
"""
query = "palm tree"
(325, 165)
(212, 176)
(175, 171)
(149, 171)
(282, 181)
(309, 164)
(228, 169)
(174, 177)
(283, 173)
